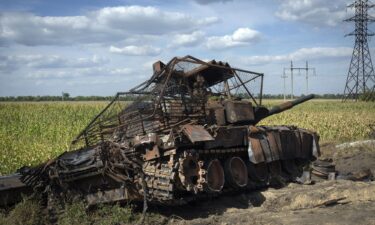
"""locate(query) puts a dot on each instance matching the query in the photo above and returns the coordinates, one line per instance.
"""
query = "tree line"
(54, 98)
(67, 97)
(321, 96)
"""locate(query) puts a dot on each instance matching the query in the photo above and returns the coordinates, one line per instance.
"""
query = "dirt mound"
(325, 202)
(329, 202)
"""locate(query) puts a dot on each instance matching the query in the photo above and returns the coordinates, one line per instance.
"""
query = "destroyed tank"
(188, 132)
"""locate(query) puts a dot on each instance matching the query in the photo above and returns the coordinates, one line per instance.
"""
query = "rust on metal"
(213, 176)
(196, 133)
(188, 132)
(255, 150)
(273, 145)
(238, 111)
(236, 172)
(152, 154)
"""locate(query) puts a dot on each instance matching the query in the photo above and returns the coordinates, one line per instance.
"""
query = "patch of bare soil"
(325, 202)
(351, 159)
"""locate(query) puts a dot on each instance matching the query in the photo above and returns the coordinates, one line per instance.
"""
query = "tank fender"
(274, 143)
(255, 150)
(309, 144)
(316, 148)
(262, 145)
(268, 144)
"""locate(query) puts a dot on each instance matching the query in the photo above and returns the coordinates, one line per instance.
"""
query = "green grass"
(30, 212)
(76, 214)
(31, 133)
(334, 121)
(27, 212)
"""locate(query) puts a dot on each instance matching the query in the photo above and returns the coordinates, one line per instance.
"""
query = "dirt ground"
(325, 202)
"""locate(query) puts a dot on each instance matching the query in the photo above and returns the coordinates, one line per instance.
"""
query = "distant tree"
(65, 96)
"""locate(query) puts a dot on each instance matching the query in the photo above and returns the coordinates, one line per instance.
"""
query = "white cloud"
(245, 35)
(136, 50)
(188, 40)
(50, 74)
(148, 20)
(315, 12)
(121, 71)
(301, 54)
(38, 61)
(240, 37)
(74, 73)
(206, 2)
(104, 25)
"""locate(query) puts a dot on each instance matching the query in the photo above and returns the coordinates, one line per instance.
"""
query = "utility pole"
(291, 77)
(299, 69)
(361, 76)
(307, 76)
(284, 76)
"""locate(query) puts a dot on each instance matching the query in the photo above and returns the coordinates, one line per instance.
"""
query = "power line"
(299, 69)
(284, 76)
(361, 77)
(307, 76)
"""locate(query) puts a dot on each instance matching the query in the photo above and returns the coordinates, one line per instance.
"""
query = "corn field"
(31, 133)
(334, 121)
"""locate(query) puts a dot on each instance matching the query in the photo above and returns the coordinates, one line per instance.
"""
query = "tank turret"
(187, 132)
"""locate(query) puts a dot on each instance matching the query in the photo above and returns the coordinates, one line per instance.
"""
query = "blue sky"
(99, 47)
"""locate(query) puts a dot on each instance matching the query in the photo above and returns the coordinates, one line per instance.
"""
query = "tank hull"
(257, 157)
(184, 134)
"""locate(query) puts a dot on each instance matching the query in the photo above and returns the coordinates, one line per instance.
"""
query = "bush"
(74, 214)
(112, 215)
(368, 96)
(27, 212)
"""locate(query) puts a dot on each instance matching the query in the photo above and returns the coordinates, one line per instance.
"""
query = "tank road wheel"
(258, 172)
(236, 172)
(189, 172)
(213, 177)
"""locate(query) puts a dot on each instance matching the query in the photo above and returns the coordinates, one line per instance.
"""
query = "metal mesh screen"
(171, 96)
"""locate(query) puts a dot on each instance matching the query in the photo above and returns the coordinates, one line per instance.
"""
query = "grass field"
(31, 133)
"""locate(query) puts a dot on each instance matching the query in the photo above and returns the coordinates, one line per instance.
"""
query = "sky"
(100, 47)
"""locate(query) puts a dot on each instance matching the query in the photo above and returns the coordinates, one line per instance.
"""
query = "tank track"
(160, 181)
(165, 185)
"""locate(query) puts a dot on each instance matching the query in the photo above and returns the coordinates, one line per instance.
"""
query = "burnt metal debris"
(323, 168)
(186, 133)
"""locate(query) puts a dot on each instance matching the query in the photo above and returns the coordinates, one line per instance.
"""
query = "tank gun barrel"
(289, 104)
(262, 112)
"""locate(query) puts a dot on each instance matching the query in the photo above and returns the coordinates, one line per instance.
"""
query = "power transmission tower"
(291, 69)
(361, 77)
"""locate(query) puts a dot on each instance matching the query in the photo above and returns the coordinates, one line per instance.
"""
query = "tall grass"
(333, 120)
(31, 133)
